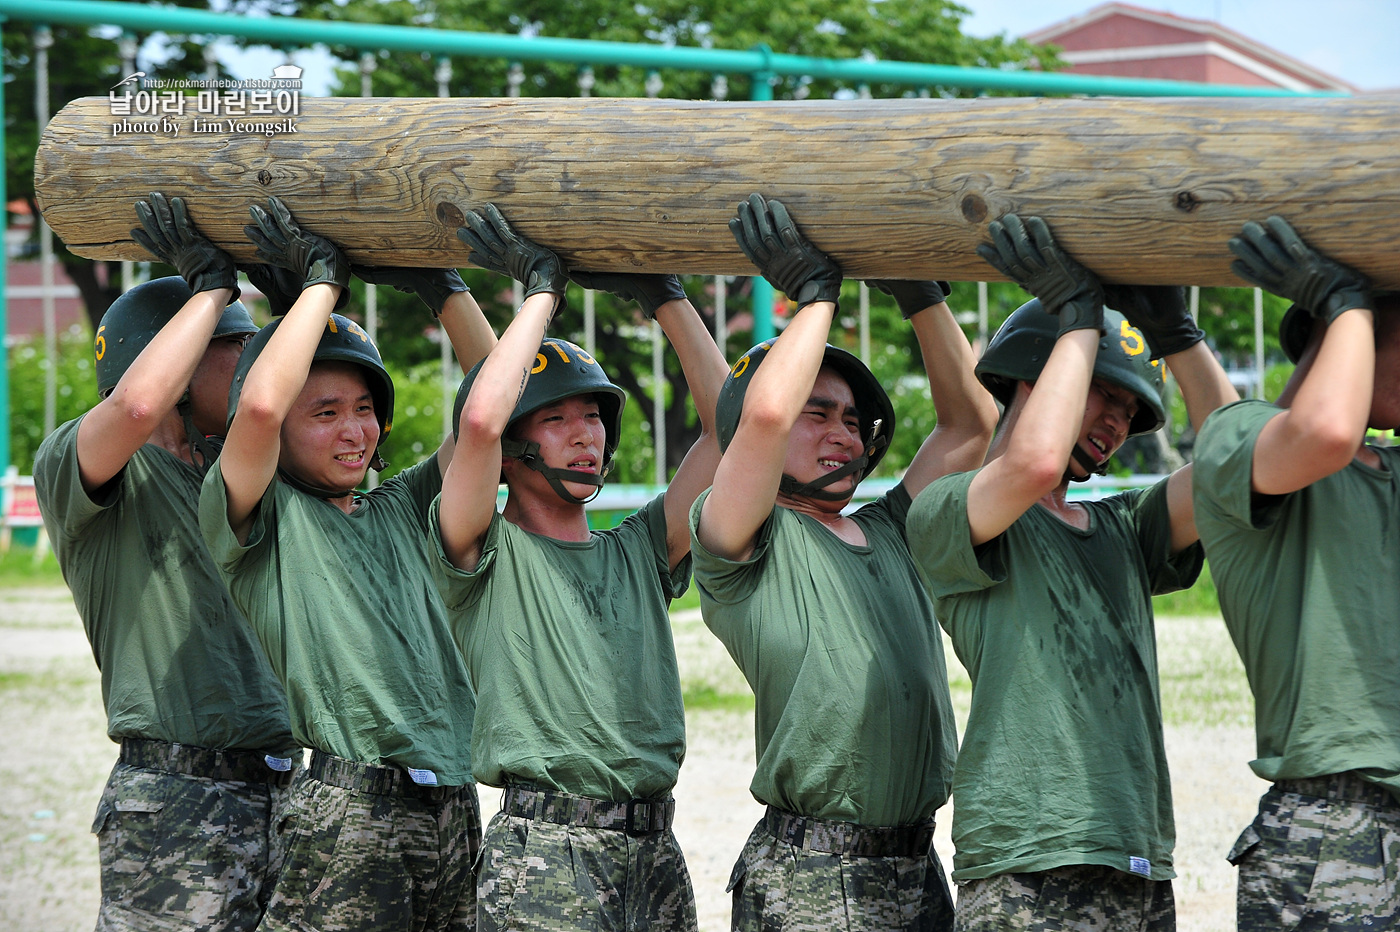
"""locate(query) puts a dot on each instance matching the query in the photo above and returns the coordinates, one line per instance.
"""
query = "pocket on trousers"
(128, 826)
(1244, 845)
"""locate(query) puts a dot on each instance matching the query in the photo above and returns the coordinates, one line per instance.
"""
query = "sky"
(1354, 40)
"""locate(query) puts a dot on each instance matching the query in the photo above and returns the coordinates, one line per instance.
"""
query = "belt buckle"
(629, 825)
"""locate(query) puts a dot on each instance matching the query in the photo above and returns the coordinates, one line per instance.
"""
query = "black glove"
(771, 240)
(168, 234)
(1028, 255)
(650, 291)
(1275, 258)
(280, 286)
(495, 246)
(282, 243)
(912, 297)
(1160, 312)
(432, 286)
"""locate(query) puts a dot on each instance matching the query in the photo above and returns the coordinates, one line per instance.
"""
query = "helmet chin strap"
(1087, 462)
(528, 453)
(208, 448)
(790, 487)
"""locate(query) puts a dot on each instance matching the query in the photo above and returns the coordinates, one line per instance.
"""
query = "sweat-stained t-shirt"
(1309, 586)
(178, 661)
(854, 722)
(1063, 760)
(569, 647)
(347, 610)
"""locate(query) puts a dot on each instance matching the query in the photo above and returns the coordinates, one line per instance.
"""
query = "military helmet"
(342, 340)
(137, 316)
(1295, 329)
(877, 417)
(562, 370)
(1018, 352)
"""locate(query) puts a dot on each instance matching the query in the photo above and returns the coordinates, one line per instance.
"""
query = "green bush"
(77, 390)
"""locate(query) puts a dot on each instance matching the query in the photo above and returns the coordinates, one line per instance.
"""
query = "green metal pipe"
(282, 29)
(761, 293)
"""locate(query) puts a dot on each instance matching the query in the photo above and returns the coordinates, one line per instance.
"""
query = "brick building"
(1123, 40)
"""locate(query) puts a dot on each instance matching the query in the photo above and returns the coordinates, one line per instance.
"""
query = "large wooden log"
(1140, 190)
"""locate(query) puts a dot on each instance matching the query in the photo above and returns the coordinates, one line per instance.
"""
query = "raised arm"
(155, 381)
(453, 306)
(746, 481)
(663, 299)
(275, 379)
(1325, 421)
(966, 412)
(471, 480)
(1042, 437)
(1161, 314)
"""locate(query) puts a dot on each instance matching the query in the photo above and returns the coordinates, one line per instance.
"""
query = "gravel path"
(58, 755)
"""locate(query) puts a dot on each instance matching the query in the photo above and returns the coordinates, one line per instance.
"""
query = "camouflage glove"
(649, 291)
(1160, 312)
(1275, 258)
(432, 286)
(167, 233)
(495, 246)
(913, 297)
(769, 237)
(280, 286)
(1027, 254)
(282, 243)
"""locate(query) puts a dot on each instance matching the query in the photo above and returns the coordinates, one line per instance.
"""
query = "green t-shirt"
(1309, 586)
(347, 610)
(854, 722)
(569, 647)
(178, 661)
(1063, 761)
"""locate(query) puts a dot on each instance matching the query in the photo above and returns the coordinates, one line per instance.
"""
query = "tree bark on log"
(1140, 190)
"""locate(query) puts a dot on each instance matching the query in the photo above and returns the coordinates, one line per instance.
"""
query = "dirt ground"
(57, 756)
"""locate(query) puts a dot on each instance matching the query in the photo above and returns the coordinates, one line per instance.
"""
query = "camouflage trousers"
(543, 877)
(181, 852)
(1322, 853)
(1079, 898)
(782, 886)
(377, 862)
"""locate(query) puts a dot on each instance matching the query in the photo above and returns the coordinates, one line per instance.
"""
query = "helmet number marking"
(1138, 346)
(540, 363)
(99, 345)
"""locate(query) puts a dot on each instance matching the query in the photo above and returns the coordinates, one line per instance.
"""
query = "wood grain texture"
(1139, 190)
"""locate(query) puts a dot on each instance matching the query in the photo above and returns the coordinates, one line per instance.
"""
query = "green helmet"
(343, 340)
(136, 317)
(877, 419)
(1295, 330)
(562, 370)
(1019, 349)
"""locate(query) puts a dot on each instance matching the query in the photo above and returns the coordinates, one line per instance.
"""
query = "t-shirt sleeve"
(1151, 516)
(650, 521)
(894, 505)
(58, 484)
(1223, 468)
(940, 540)
(461, 589)
(725, 581)
(419, 486)
(229, 555)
